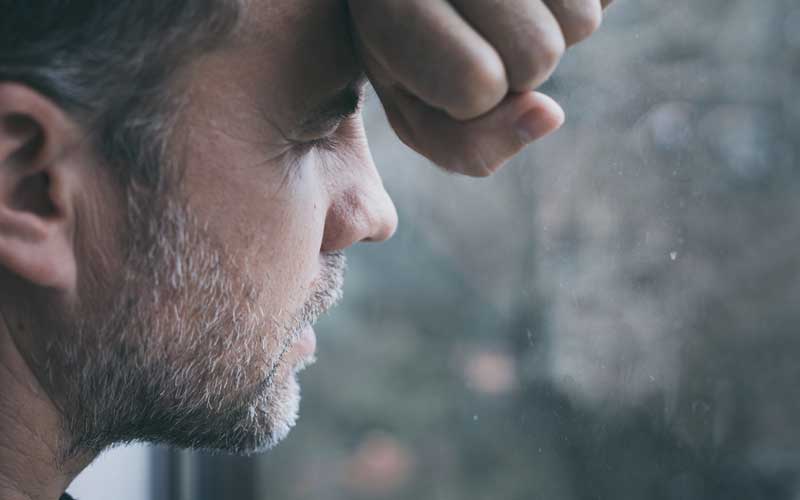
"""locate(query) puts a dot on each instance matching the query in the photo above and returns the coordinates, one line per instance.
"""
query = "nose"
(360, 211)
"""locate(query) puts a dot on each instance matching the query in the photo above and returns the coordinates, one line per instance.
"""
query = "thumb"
(477, 147)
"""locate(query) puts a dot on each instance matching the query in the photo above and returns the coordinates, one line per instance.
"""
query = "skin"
(500, 50)
(264, 194)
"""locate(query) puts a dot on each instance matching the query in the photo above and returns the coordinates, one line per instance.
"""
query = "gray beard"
(180, 352)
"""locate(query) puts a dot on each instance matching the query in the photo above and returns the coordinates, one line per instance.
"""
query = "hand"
(457, 77)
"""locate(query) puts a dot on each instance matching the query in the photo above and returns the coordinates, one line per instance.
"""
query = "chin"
(281, 410)
(268, 420)
(251, 424)
(277, 407)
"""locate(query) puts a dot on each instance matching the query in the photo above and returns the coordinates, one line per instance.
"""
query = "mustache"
(327, 290)
(326, 293)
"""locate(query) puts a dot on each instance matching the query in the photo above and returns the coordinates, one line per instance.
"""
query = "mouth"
(327, 292)
(301, 353)
(305, 346)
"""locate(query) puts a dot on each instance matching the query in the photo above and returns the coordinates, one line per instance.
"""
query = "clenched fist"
(457, 77)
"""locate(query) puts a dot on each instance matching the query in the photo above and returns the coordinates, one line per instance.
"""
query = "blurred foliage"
(612, 317)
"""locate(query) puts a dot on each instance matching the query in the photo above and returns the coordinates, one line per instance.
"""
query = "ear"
(38, 149)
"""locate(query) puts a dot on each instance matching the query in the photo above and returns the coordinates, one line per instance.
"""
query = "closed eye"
(324, 120)
(332, 138)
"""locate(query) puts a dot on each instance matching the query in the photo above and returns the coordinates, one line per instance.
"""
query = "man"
(179, 180)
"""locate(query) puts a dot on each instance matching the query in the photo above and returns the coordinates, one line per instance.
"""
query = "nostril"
(381, 216)
(357, 216)
(345, 223)
(386, 224)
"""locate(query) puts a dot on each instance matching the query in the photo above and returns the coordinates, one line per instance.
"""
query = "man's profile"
(180, 179)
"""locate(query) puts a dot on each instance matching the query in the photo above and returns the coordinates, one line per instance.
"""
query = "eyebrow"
(328, 114)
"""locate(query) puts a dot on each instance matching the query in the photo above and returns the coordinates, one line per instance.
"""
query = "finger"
(476, 148)
(578, 18)
(524, 32)
(429, 49)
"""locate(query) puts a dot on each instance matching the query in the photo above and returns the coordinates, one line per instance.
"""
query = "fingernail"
(530, 126)
(534, 125)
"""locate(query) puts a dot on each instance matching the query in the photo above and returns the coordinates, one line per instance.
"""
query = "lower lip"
(306, 344)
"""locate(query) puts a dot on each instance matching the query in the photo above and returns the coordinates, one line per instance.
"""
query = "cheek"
(284, 249)
(271, 226)
(269, 216)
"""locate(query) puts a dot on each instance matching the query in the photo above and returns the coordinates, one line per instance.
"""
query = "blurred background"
(614, 316)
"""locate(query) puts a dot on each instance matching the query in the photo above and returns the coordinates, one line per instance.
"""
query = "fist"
(457, 77)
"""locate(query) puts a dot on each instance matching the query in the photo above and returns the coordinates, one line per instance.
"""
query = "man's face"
(199, 343)
(278, 165)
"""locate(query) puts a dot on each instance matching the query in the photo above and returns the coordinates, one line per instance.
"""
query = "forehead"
(299, 51)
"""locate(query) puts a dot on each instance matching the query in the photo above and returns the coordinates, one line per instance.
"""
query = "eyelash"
(300, 151)
(328, 143)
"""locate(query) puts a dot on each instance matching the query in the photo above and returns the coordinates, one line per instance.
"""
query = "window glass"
(614, 316)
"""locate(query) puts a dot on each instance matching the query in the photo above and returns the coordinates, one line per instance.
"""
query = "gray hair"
(109, 64)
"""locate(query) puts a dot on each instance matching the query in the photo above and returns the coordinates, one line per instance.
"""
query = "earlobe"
(37, 256)
(36, 220)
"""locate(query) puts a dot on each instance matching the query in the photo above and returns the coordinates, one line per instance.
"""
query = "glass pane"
(613, 317)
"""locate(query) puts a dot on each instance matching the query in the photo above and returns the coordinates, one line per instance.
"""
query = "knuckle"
(550, 51)
(539, 63)
(481, 85)
(584, 22)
